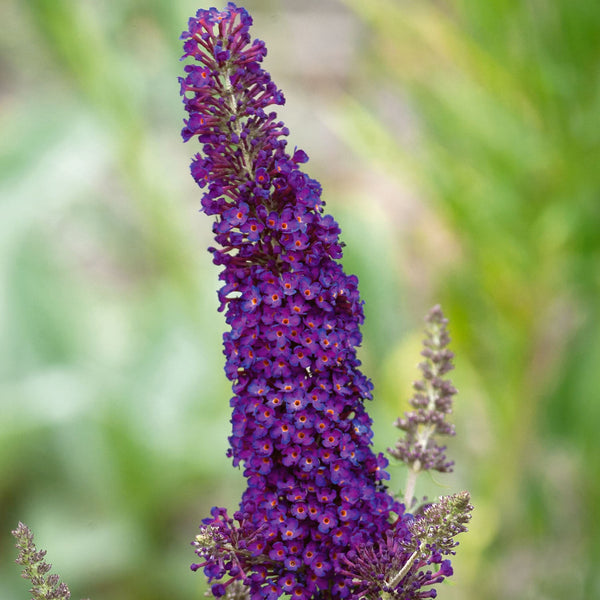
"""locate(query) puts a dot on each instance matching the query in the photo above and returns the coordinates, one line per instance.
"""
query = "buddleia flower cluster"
(316, 506)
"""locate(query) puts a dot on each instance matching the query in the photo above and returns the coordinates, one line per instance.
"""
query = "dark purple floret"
(300, 431)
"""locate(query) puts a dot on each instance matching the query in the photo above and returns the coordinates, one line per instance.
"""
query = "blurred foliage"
(113, 403)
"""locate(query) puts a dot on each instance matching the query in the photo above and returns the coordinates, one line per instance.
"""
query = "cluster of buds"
(45, 586)
(399, 566)
(435, 528)
(432, 403)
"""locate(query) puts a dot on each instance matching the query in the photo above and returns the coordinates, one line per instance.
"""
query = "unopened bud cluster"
(436, 527)
(44, 586)
(432, 402)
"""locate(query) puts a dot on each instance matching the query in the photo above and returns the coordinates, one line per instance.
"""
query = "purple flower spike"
(298, 412)
(315, 497)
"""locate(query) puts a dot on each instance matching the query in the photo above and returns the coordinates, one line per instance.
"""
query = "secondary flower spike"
(299, 426)
(432, 402)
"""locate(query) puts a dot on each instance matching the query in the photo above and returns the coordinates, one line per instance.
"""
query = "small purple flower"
(287, 582)
(320, 566)
(218, 590)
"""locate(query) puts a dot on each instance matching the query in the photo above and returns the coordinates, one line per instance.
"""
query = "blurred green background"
(457, 142)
